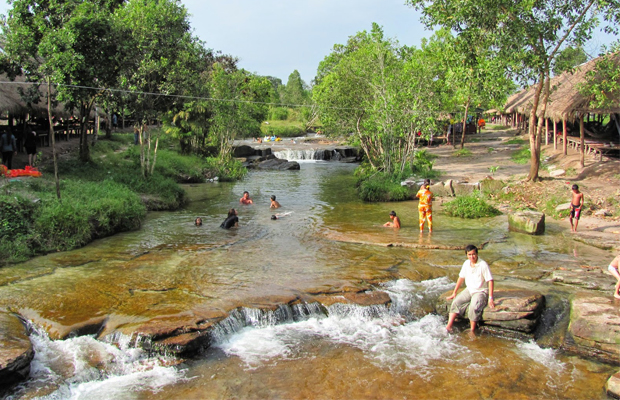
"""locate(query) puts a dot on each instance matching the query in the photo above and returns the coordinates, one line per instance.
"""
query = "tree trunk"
(582, 160)
(108, 125)
(84, 150)
(465, 124)
(52, 136)
(534, 137)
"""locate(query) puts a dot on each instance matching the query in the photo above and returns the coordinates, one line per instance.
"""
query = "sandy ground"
(599, 180)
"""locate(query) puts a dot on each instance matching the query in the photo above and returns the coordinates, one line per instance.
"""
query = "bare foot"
(471, 334)
(449, 330)
(617, 296)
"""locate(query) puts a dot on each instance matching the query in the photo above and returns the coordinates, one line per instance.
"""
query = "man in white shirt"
(475, 273)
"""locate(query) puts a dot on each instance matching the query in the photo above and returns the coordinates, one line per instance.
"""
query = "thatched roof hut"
(565, 101)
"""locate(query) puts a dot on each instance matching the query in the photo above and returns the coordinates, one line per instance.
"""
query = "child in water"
(198, 221)
(274, 203)
(425, 207)
(576, 204)
(394, 221)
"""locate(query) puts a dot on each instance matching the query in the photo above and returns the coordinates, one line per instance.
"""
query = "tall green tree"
(529, 34)
(569, 58)
(380, 92)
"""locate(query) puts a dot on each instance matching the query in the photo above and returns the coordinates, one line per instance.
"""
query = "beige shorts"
(475, 302)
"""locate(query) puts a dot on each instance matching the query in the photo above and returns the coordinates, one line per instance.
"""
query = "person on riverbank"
(274, 203)
(198, 221)
(394, 221)
(476, 274)
(246, 200)
(614, 268)
(9, 149)
(30, 144)
(425, 207)
(232, 220)
(576, 205)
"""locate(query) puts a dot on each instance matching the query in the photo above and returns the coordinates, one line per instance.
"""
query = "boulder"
(603, 213)
(442, 189)
(530, 222)
(278, 164)
(16, 351)
(594, 329)
(490, 185)
(612, 387)
(515, 309)
(265, 152)
(588, 278)
(563, 207)
(557, 172)
(464, 188)
(243, 151)
(346, 152)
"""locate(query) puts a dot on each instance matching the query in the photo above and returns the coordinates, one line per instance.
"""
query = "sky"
(276, 37)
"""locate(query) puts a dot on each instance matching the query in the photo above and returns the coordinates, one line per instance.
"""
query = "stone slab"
(529, 222)
(16, 351)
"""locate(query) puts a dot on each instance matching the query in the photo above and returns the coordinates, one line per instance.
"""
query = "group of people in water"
(232, 219)
(425, 209)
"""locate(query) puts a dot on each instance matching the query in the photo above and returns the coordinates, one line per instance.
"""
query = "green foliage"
(226, 170)
(569, 58)
(462, 153)
(381, 187)
(187, 169)
(602, 83)
(515, 141)
(550, 207)
(470, 206)
(522, 156)
(494, 169)
(422, 166)
(278, 113)
(283, 129)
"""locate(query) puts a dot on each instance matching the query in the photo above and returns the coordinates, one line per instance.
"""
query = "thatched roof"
(12, 101)
(565, 101)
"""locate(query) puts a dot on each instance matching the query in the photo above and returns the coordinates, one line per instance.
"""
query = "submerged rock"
(595, 327)
(278, 164)
(612, 387)
(589, 278)
(515, 309)
(16, 351)
(530, 222)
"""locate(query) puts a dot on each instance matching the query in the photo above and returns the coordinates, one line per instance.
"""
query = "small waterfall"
(300, 155)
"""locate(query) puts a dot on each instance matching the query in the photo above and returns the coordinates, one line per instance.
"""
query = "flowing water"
(172, 270)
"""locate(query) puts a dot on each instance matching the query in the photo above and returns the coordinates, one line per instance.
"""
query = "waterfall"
(300, 155)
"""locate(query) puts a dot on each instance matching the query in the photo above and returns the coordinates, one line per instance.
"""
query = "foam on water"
(84, 367)
(545, 357)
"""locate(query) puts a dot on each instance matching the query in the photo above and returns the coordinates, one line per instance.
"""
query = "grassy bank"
(104, 196)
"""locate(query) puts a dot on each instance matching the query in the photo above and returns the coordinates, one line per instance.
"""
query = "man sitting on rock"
(475, 273)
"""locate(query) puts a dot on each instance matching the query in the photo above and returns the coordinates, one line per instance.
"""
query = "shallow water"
(170, 268)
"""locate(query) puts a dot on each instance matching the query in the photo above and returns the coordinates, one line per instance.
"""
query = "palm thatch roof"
(565, 101)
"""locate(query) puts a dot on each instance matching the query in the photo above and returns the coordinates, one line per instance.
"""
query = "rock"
(594, 327)
(557, 172)
(365, 299)
(603, 213)
(612, 387)
(278, 164)
(243, 151)
(16, 351)
(515, 309)
(347, 152)
(461, 189)
(563, 207)
(490, 185)
(594, 279)
(530, 222)
(442, 189)
(265, 152)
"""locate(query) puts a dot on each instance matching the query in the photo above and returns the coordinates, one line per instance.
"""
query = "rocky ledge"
(16, 351)
(516, 310)
(594, 329)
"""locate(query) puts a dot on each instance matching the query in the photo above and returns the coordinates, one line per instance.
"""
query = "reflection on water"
(171, 268)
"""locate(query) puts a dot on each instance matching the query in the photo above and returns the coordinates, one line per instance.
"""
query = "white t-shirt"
(476, 277)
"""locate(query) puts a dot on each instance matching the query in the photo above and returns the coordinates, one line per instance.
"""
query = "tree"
(238, 106)
(379, 91)
(527, 34)
(160, 61)
(295, 93)
(569, 58)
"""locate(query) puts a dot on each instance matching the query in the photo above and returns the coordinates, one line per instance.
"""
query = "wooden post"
(582, 158)
(564, 149)
(546, 131)
(555, 135)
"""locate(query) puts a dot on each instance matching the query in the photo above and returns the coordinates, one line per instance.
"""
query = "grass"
(522, 156)
(285, 128)
(515, 141)
(470, 206)
(490, 149)
(462, 153)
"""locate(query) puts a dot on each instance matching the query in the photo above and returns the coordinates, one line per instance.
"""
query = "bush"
(285, 130)
(380, 187)
(226, 170)
(181, 168)
(470, 206)
(279, 114)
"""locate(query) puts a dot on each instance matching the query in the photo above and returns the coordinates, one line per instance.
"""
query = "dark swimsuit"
(229, 222)
(575, 211)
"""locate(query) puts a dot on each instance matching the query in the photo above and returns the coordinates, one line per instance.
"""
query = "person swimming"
(198, 221)
(232, 220)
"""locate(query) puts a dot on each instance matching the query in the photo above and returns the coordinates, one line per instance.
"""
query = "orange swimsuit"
(425, 208)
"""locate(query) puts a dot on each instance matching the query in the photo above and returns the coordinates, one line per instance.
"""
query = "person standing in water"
(198, 221)
(394, 221)
(246, 200)
(614, 269)
(425, 207)
(274, 203)
(576, 204)
(232, 220)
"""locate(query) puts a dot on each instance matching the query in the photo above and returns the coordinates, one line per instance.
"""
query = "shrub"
(289, 130)
(470, 206)
(380, 187)
(278, 113)
(226, 170)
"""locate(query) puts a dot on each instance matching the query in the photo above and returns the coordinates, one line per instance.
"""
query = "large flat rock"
(589, 278)
(612, 387)
(515, 309)
(16, 351)
(530, 222)
(595, 327)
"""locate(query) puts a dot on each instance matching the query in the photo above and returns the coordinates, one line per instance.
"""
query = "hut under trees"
(569, 110)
